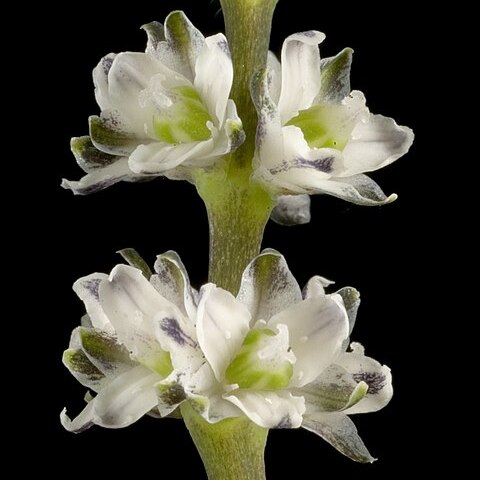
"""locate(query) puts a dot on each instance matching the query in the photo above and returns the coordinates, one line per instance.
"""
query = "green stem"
(232, 449)
(238, 211)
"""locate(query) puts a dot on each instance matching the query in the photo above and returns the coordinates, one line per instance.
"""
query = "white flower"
(162, 111)
(315, 135)
(272, 353)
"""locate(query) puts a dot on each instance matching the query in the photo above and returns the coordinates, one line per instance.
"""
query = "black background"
(383, 252)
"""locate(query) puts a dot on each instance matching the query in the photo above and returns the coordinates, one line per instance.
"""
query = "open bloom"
(162, 111)
(315, 135)
(273, 353)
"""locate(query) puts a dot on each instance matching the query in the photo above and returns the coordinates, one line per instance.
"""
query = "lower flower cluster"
(274, 353)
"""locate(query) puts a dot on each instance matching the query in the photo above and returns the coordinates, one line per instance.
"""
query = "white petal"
(334, 390)
(87, 289)
(376, 142)
(222, 323)
(158, 157)
(269, 139)
(376, 376)
(80, 366)
(335, 77)
(300, 73)
(214, 75)
(340, 432)
(301, 167)
(317, 326)
(119, 404)
(102, 350)
(275, 70)
(219, 409)
(268, 286)
(131, 303)
(126, 399)
(315, 287)
(226, 139)
(84, 420)
(172, 282)
(101, 178)
(100, 80)
(176, 335)
(182, 46)
(292, 210)
(358, 189)
(131, 74)
(171, 393)
(155, 33)
(269, 409)
(351, 300)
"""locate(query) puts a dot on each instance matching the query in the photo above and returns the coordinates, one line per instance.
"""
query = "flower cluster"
(162, 111)
(167, 111)
(315, 135)
(276, 354)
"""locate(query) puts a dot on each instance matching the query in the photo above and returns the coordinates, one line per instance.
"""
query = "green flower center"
(326, 126)
(185, 120)
(261, 362)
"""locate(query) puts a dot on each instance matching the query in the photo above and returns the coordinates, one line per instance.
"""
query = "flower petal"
(157, 158)
(130, 75)
(334, 390)
(268, 286)
(214, 75)
(275, 70)
(335, 74)
(340, 432)
(358, 189)
(135, 260)
(171, 393)
(156, 34)
(376, 376)
(83, 369)
(110, 135)
(222, 323)
(101, 178)
(87, 289)
(100, 81)
(300, 73)
(317, 326)
(183, 45)
(269, 409)
(81, 422)
(269, 140)
(300, 167)
(103, 351)
(292, 210)
(119, 404)
(172, 282)
(88, 157)
(376, 142)
(230, 137)
(351, 300)
(176, 335)
(315, 287)
(131, 303)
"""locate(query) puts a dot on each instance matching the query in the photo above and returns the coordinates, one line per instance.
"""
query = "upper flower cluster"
(272, 353)
(168, 110)
(161, 110)
(314, 134)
